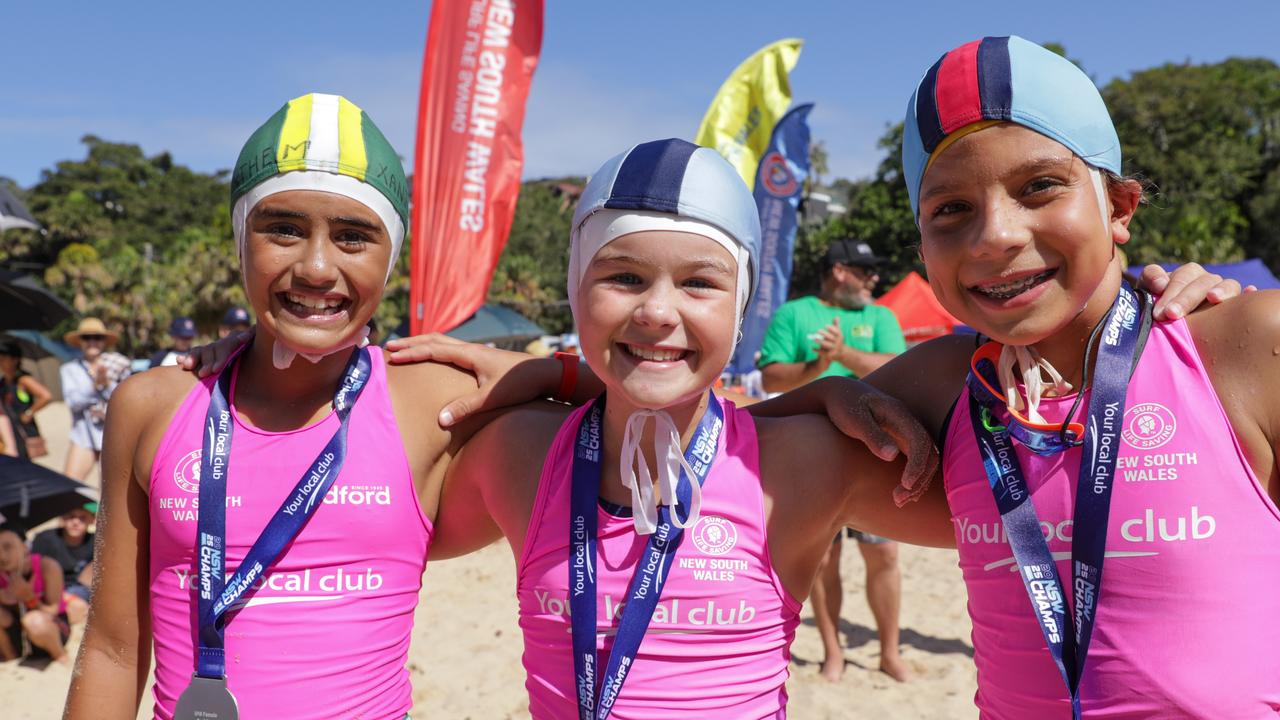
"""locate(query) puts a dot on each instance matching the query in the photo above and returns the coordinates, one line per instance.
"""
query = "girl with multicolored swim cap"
(1078, 435)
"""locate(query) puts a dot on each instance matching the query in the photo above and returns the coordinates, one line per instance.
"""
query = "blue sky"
(197, 79)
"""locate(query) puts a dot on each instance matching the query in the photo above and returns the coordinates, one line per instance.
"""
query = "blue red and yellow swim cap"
(1005, 79)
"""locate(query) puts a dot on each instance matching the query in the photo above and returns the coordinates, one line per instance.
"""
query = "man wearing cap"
(234, 320)
(183, 332)
(71, 546)
(87, 384)
(842, 332)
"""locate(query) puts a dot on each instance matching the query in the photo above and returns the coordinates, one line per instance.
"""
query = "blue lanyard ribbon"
(651, 571)
(1123, 336)
(215, 593)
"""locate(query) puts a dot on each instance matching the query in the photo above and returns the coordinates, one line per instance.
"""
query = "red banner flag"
(475, 78)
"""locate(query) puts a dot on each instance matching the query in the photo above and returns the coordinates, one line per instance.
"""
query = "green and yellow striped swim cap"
(322, 142)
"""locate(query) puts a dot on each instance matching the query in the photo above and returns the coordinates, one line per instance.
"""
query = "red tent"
(919, 313)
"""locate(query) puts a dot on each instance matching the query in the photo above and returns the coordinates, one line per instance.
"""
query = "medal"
(206, 699)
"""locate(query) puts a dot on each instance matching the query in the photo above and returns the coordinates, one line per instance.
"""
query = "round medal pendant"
(206, 699)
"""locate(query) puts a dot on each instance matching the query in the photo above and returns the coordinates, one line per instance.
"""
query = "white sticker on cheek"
(1100, 190)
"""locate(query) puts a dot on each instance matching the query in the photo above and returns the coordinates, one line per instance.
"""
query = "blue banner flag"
(779, 181)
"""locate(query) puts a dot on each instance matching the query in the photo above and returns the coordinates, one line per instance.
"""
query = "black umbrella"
(25, 304)
(13, 214)
(31, 493)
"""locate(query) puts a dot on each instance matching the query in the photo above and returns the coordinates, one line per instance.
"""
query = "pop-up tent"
(1248, 272)
(919, 313)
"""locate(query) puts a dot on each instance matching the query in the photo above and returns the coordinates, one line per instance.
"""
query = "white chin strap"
(1023, 362)
(670, 459)
(281, 355)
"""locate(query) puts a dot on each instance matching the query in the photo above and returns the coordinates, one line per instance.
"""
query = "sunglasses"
(93, 338)
(1039, 438)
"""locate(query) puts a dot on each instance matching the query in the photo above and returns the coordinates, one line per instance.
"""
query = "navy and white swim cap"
(667, 185)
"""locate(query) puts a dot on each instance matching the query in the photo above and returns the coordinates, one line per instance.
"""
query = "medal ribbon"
(215, 596)
(1123, 336)
(651, 572)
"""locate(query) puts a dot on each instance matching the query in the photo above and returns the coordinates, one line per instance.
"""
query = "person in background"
(841, 331)
(235, 320)
(30, 599)
(87, 384)
(71, 546)
(183, 332)
(21, 397)
(8, 446)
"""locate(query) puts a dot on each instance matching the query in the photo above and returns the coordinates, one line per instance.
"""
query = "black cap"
(236, 316)
(852, 252)
(10, 347)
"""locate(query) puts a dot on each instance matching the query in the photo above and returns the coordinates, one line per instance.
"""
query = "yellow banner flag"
(748, 105)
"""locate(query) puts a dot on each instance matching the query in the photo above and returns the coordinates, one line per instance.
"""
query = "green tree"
(133, 239)
(531, 273)
(879, 214)
(1207, 137)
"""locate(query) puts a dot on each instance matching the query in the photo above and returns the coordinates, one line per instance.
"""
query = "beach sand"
(464, 660)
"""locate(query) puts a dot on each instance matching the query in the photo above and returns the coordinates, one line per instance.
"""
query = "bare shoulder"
(1239, 343)
(148, 400)
(140, 411)
(928, 377)
(518, 439)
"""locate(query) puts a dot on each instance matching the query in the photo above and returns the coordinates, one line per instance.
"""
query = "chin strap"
(670, 459)
(282, 356)
(1028, 363)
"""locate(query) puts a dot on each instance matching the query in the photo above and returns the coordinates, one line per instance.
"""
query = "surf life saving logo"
(777, 177)
(186, 474)
(1148, 426)
(714, 535)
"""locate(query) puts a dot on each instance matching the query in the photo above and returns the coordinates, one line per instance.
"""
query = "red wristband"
(568, 376)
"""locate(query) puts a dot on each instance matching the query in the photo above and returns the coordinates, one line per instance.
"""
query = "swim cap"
(667, 185)
(1005, 79)
(322, 142)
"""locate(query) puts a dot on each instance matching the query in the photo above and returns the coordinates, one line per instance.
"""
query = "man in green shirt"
(842, 332)
(839, 332)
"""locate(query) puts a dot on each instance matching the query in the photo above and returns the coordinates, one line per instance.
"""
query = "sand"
(466, 663)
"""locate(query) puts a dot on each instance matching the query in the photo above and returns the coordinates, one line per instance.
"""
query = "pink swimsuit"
(719, 642)
(325, 632)
(1189, 613)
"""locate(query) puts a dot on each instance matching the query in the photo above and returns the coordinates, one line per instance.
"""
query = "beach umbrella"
(496, 324)
(32, 494)
(25, 304)
(13, 214)
(36, 346)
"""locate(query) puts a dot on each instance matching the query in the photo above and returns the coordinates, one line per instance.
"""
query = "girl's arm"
(39, 393)
(115, 656)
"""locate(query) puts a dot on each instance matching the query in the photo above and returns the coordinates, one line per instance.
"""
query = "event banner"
(779, 182)
(479, 63)
(745, 109)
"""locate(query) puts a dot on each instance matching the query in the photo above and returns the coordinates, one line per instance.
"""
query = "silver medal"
(206, 699)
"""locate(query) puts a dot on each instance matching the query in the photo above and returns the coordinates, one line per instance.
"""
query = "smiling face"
(656, 312)
(315, 267)
(1013, 237)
